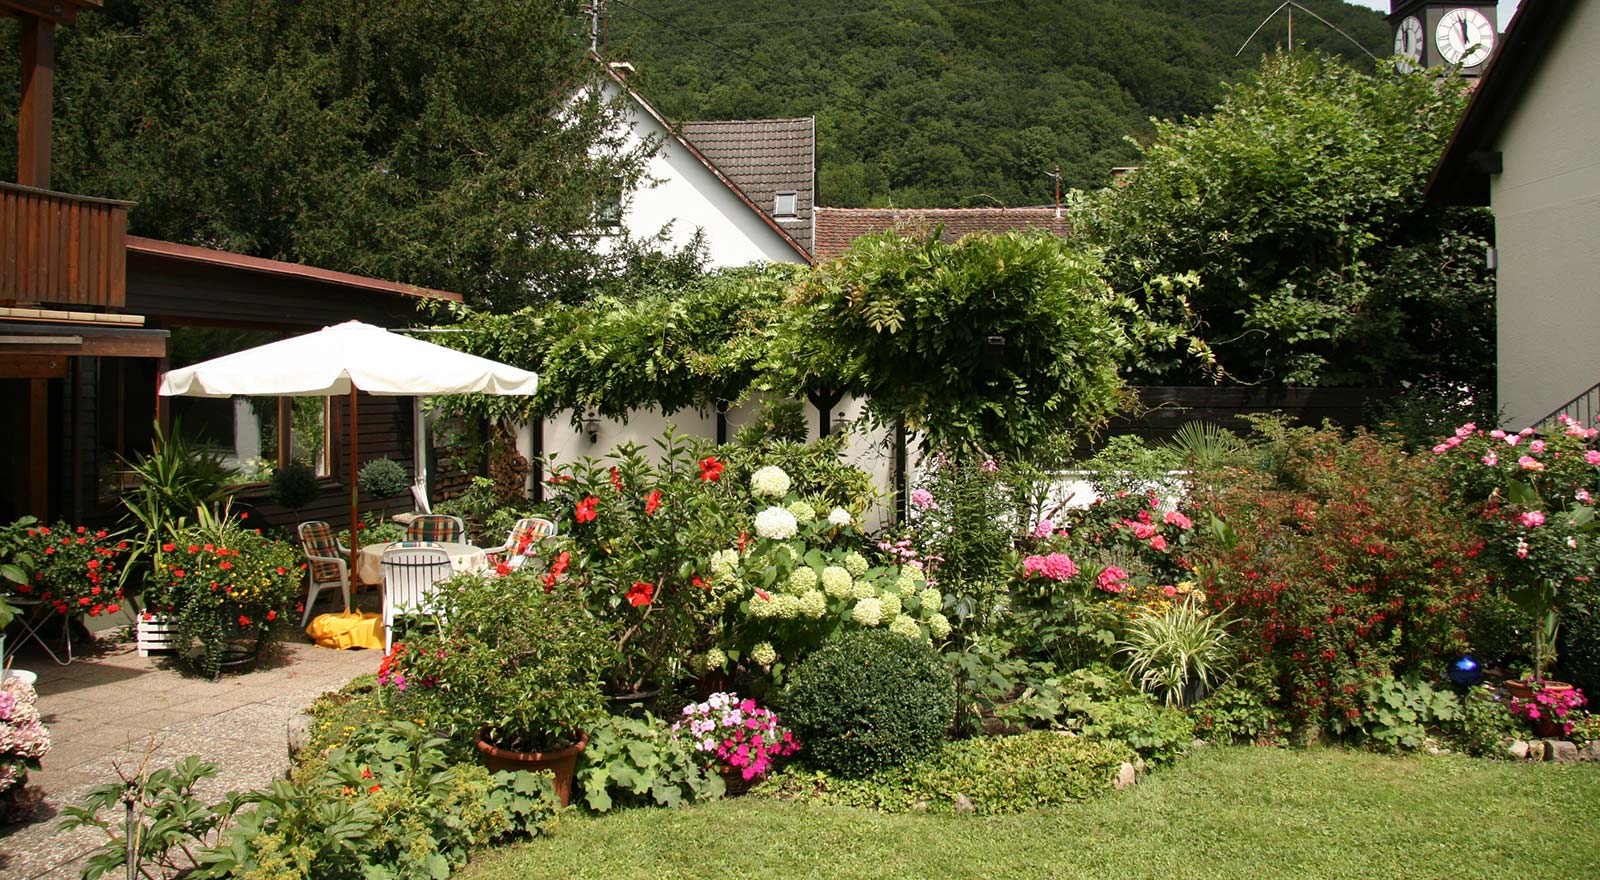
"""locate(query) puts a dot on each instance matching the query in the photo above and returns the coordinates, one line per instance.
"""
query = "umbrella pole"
(355, 517)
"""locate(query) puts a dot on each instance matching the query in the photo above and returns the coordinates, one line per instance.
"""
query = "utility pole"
(597, 12)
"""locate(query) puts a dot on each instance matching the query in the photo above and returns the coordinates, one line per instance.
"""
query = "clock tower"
(1444, 34)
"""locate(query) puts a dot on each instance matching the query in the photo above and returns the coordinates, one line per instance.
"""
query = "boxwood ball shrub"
(867, 701)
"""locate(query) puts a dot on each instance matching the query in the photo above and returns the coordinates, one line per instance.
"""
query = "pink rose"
(1536, 447)
(1177, 519)
(1531, 518)
(1529, 463)
(1490, 458)
(1158, 543)
(1592, 456)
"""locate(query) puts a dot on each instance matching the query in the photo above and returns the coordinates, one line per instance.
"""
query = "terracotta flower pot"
(562, 763)
(1524, 691)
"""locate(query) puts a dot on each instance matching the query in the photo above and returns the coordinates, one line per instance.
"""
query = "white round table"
(463, 558)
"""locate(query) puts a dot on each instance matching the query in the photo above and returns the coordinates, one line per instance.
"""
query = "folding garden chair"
(436, 527)
(328, 564)
(523, 541)
(409, 574)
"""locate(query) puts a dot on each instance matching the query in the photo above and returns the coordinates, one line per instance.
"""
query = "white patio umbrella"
(343, 359)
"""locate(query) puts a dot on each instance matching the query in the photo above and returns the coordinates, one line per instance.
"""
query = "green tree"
(907, 323)
(446, 143)
(1295, 211)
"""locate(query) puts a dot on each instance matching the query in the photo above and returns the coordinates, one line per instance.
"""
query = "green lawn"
(1224, 813)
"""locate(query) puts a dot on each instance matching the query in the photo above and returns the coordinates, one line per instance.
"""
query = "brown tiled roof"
(764, 157)
(838, 227)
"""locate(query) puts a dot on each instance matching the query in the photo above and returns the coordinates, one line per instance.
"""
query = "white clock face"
(1464, 37)
(1408, 39)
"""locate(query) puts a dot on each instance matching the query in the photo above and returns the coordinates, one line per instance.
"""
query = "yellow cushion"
(351, 629)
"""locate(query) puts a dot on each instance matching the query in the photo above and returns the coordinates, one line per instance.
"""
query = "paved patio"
(111, 705)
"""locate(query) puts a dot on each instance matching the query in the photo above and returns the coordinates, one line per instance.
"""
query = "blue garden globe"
(1466, 671)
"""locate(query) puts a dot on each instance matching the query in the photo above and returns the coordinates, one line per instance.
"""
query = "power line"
(824, 89)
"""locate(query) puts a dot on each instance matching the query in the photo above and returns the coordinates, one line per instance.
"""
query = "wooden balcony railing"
(58, 249)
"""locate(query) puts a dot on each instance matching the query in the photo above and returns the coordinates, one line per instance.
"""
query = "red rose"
(168, 548)
(272, 615)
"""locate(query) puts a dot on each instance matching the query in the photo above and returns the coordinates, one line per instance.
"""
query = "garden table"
(463, 558)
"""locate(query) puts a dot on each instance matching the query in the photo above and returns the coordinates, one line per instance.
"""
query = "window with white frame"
(783, 204)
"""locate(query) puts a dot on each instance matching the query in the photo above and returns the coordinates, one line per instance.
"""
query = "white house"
(1529, 148)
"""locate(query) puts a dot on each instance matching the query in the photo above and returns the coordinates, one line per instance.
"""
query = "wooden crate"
(157, 633)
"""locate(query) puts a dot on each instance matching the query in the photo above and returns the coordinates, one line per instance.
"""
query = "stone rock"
(920, 807)
(299, 733)
(1518, 749)
(1590, 752)
(1199, 743)
(1561, 752)
(1126, 776)
(964, 805)
(1536, 750)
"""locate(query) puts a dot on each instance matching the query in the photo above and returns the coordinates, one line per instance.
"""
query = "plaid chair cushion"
(532, 531)
(316, 538)
(434, 527)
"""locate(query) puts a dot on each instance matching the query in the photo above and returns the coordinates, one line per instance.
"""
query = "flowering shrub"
(961, 520)
(75, 570)
(734, 735)
(1345, 565)
(223, 580)
(1532, 500)
(1560, 707)
(23, 740)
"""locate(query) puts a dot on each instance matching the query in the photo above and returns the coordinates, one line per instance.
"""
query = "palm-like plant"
(1172, 650)
(175, 478)
(1205, 446)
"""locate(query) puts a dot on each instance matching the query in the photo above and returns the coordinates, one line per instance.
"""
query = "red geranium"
(641, 594)
(586, 509)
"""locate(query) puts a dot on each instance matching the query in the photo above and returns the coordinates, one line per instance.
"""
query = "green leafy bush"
(1483, 724)
(633, 762)
(294, 485)
(383, 477)
(998, 775)
(1158, 733)
(1241, 711)
(1397, 713)
(869, 700)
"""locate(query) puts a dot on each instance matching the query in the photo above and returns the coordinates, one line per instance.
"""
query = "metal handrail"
(1581, 408)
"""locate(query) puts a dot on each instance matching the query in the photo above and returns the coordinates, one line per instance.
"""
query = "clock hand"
(1464, 37)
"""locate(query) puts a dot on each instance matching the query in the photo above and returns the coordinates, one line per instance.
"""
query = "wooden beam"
(38, 463)
(108, 345)
(33, 366)
(33, 120)
(57, 11)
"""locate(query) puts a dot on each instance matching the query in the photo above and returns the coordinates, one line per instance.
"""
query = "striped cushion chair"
(523, 541)
(328, 564)
(436, 528)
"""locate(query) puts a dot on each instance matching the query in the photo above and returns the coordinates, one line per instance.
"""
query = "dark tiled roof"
(764, 157)
(838, 227)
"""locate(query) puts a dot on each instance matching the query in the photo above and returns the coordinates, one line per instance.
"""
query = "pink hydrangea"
(1055, 566)
(1177, 519)
(1112, 579)
(923, 499)
(1043, 528)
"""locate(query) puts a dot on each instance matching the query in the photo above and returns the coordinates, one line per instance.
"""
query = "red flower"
(100, 534)
(282, 570)
(652, 502)
(81, 530)
(616, 480)
(244, 515)
(641, 594)
(710, 469)
(272, 615)
(177, 572)
(83, 601)
(93, 564)
(244, 621)
(744, 538)
(224, 565)
(699, 583)
(556, 568)
(502, 568)
(586, 509)
(113, 609)
(194, 548)
(366, 772)
(168, 548)
(374, 789)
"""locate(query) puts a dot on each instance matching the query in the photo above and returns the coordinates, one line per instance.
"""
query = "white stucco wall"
(1547, 230)
(681, 191)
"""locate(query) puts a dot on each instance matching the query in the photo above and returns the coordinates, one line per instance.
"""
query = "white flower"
(777, 524)
(837, 582)
(863, 589)
(715, 660)
(763, 608)
(802, 510)
(813, 604)
(839, 517)
(723, 563)
(938, 625)
(903, 625)
(868, 612)
(931, 599)
(764, 654)
(854, 562)
(802, 579)
(770, 482)
(891, 604)
(786, 607)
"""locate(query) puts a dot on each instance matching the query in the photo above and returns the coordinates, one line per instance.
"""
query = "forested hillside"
(960, 102)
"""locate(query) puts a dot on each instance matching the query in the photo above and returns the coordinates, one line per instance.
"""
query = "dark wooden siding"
(60, 249)
(176, 292)
(1166, 409)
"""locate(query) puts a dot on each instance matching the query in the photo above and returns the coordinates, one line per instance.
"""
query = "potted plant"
(736, 738)
(513, 666)
(226, 584)
(74, 571)
(1551, 708)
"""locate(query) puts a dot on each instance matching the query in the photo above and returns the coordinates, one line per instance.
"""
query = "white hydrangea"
(786, 607)
(723, 564)
(802, 579)
(931, 599)
(715, 660)
(891, 604)
(777, 524)
(938, 625)
(863, 589)
(906, 584)
(917, 576)
(769, 482)
(837, 582)
(839, 517)
(764, 654)
(762, 608)
(855, 563)
(903, 625)
(868, 612)
(802, 510)
(813, 604)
